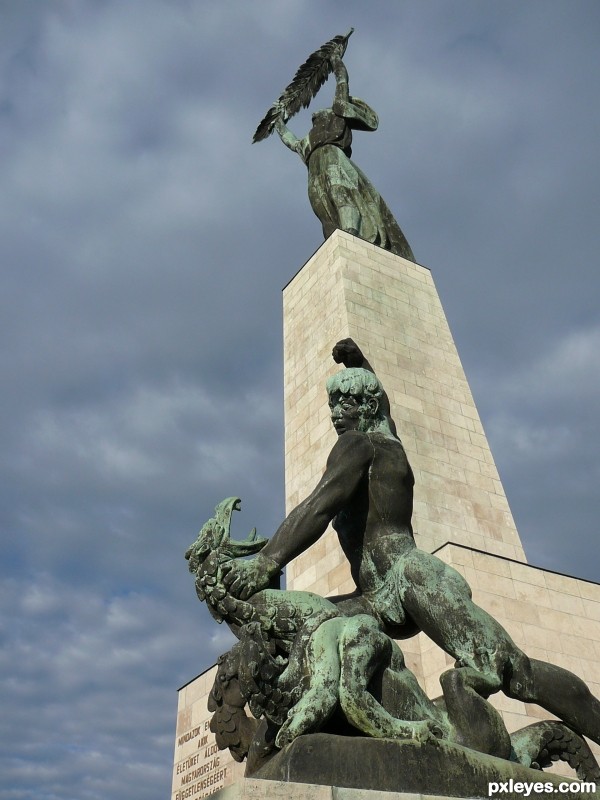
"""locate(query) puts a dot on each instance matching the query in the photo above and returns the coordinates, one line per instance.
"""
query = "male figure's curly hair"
(357, 382)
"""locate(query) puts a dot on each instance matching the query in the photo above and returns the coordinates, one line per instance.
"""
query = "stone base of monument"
(327, 767)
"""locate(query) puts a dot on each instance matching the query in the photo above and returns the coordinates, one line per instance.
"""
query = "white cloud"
(94, 685)
(150, 432)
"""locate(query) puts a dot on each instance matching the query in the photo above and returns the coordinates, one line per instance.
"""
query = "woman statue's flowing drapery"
(339, 192)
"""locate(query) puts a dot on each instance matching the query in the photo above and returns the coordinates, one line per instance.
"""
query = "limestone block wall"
(199, 768)
(391, 308)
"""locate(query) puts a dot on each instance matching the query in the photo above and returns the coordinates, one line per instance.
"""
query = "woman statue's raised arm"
(342, 91)
(289, 139)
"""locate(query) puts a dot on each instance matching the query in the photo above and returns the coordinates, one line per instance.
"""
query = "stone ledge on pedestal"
(401, 767)
(254, 789)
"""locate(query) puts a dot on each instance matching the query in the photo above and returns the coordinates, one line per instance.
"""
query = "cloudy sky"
(144, 244)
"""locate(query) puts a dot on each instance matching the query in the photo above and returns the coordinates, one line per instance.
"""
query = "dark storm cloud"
(144, 244)
(545, 426)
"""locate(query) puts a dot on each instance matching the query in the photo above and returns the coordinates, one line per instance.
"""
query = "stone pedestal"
(253, 789)
(384, 765)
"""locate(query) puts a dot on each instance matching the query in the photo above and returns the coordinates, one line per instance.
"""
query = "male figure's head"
(355, 401)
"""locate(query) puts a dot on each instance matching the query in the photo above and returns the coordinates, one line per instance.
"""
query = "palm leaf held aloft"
(307, 81)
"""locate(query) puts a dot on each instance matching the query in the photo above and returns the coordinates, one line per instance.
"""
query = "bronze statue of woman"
(339, 192)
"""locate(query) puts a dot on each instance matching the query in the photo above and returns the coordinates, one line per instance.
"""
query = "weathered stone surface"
(250, 789)
(403, 766)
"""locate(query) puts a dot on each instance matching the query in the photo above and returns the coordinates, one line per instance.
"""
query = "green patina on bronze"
(339, 192)
(307, 664)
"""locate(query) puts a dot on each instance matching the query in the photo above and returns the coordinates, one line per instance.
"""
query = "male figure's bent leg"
(561, 693)
(439, 600)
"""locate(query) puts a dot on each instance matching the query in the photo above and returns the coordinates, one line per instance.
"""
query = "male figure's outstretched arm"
(347, 466)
